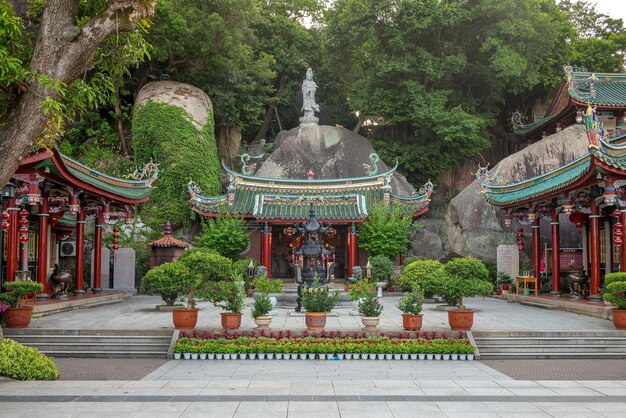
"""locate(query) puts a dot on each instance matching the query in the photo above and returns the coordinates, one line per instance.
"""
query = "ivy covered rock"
(173, 125)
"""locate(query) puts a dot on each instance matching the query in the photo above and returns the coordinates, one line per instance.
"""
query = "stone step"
(556, 340)
(89, 339)
(540, 356)
(105, 354)
(538, 305)
(549, 348)
(573, 334)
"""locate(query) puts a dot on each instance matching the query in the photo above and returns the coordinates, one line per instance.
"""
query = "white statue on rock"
(308, 99)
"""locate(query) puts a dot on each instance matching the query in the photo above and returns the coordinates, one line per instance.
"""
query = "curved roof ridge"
(90, 171)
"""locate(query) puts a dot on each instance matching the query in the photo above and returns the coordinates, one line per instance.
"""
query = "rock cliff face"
(330, 151)
(474, 227)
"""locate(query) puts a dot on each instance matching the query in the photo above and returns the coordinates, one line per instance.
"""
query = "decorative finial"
(310, 174)
(167, 230)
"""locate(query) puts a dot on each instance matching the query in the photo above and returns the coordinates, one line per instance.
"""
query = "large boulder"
(474, 226)
(330, 151)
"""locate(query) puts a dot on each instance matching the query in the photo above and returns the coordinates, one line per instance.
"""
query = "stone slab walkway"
(492, 314)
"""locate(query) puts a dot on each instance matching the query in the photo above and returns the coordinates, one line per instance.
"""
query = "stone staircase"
(95, 343)
(551, 345)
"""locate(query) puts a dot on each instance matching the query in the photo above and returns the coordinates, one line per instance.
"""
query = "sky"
(614, 8)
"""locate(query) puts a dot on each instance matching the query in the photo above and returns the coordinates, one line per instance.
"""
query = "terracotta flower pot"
(185, 318)
(460, 320)
(412, 322)
(370, 322)
(263, 322)
(619, 318)
(315, 320)
(18, 317)
(230, 320)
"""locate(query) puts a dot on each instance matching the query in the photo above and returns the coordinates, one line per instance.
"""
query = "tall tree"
(49, 83)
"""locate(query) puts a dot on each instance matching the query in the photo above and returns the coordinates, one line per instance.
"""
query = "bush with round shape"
(467, 268)
(417, 273)
(614, 277)
(382, 268)
(17, 290)
(615, 294)
(25, 363)
(170, 281)
(453, 290)
(208, 264)
(370, 306)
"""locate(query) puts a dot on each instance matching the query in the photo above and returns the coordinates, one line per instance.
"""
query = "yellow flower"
(310, 290)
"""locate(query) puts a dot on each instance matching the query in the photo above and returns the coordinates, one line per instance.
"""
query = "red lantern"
(578, 219)
(23, 231)
(618, 233)
(116, 235)
(5, 220)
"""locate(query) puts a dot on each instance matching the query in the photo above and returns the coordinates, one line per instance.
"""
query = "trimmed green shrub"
(167, 134)
(467, 268)
(262, 305)
(409, 260)
(417, 273)
(171, 280)
(492, 270)
(370, 306)
(411, 303)
(25, 363)
(453, 289)
(18, 290)
(226, 235)
(208, 264)
(615, 294)
(382, 268)
(265, 285)
(385, 231)
(614, 277)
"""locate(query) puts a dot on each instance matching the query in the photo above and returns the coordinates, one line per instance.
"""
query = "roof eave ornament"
(149, 172)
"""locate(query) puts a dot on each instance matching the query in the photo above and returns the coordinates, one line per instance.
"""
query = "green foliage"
(226, 234)
(262, 305)
(417, 273)
(503, 279)
(614, 277)
(492, 270)
(453, 289)
(615, 294)
(411, 302)
(166, 134)
(466, 269)
(229, 296)
(319, 299)
(15, 52)
(409, 260)
(25, 363)
(171, 280)
(361, 289)
(385, 232)
(210, 266)
(17, 290)
(264, 285)
(382, 268)
(370, 306)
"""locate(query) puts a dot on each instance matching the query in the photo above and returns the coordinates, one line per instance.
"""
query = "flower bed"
(323, 348)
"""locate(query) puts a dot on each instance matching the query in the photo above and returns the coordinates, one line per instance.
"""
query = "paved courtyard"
(139, 312)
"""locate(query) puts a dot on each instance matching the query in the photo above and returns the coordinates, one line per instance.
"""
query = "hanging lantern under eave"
(5, 220)
(578, 219)
(617, 241)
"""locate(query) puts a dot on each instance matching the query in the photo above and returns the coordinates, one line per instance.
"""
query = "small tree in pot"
(411, 307)
(16, 315)
(229, 296)
(260, 311)
(318, 301)
(370, 309)
(615, 294)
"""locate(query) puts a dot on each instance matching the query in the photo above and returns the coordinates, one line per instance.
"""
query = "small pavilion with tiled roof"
(167, 248)
(54, 197)
(591, 189)
(579, 89)
(271, 206)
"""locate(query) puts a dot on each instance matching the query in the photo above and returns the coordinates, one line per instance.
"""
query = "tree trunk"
(118, 115)
(270, 110)
(63, 52)
(358, 126)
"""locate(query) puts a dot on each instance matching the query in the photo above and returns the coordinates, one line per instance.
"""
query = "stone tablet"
(508, 260)
(124, 270)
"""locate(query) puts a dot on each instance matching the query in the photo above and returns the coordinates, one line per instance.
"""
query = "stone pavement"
(491, 314)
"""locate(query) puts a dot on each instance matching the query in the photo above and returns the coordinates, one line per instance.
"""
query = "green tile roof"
(508, 194)
(610, 89)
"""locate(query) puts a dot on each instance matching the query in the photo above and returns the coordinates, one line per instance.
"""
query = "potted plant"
(317, 301)
(370, 309)
(504, 282)
(16, 315)
(614, 293)
(453, 288)
(271, 288)
(230, 297)
(411, 307)
(170, 280)
(260, 310)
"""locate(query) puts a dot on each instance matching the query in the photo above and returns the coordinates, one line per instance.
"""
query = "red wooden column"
(42, 248)
(12, 244)
(80, 252)
(269, 252)
(556, 252)
(97, 255)
(353, 248)
(349, 244)
(536, 248)
(594, 244)
(623, 246)
(266, 249)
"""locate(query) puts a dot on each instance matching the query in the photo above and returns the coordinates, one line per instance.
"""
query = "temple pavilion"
(46, 206)
(588, 191)
(329, 168)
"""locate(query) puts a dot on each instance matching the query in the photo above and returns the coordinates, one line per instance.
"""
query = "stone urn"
(263, 322)
(370, 322)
